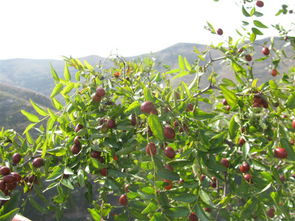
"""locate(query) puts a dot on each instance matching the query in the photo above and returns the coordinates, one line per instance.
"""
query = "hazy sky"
(56, 28)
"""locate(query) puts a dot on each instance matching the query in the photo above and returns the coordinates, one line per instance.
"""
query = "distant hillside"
(12, 100)
(35, 74)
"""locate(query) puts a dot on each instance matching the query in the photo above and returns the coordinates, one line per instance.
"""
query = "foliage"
(101, 139)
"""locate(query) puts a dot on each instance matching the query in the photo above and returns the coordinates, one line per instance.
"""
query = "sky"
(54, 28)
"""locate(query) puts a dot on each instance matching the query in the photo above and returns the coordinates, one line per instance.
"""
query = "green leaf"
(181, 74)
(148, 190)
(53, 73)
(286, 144)
(67, 74)
(8, 216)
(125, 150)
(259, 24)
(29, 127)
(156, 127)
(256, 31)
(37, 206)
(291, 101)
(57, 89)
(94, 213)
(151, 207)
(206, 198)
(68, 171)
(248, 208)
(68, 88)
(147, 94)
(252, 37)
(56, 104)
(187, 65)
(56, 173)
(116, 173)
(185, 197)
(38, 109)
(201, 215)
(81, 178)
(3, 197)
(229, 96)
(233, 127)
(181, 62)
(67, 183)
(245, 13)
(246, 149)
(178, 212)
(30, 117)
(166, 174)
(132, 106)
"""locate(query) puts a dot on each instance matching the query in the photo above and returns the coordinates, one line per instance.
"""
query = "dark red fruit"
(78, 127)
(225, 162)
(16, 158)
(123, 200)
(11, 186)
(190, 107)
(224, 102)
(274, 72)
(259, 101)
(2, 185)
(213, 184)
(9, 179)
(219, 31)
(271, 212)
(77, 140)
(169, 152)
(281, 153)
(293, 124)
(133, 120)
(95, 98)
(151, 149)
(115, 157)
(227, 107)
(208, 210)
(245, 167)
(75, 149)
(242, 141)
(265, 51)
(17, 176)
(95, 154)
(169, 132)
(111, 124)
(32, 179)
(248, 57)
(167, 184)
(282, 178)
(38, 162)
(4, 170)
(193, 217)
(104, 171)
(100, 92)
(154, 111)
(147, 107)
(126, 188)
(248, 177)
(169, 167)
(260, 4)
(202, 177)
(101, 159)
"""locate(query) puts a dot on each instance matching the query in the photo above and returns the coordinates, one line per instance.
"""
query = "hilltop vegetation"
(12, 100)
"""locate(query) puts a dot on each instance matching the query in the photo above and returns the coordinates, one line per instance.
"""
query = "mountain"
(35, 74)
(12, 100)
